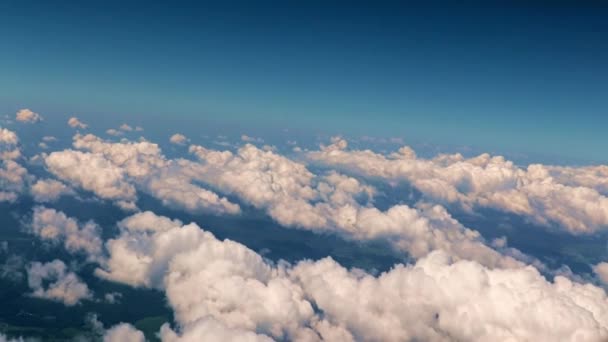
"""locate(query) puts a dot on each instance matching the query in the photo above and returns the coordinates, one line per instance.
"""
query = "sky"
(284, 171)
(507, 77)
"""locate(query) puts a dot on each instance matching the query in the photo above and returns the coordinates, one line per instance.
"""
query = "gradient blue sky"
(506, 77)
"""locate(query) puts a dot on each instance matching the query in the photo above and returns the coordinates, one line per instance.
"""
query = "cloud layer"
(224, 288)
(573, 198)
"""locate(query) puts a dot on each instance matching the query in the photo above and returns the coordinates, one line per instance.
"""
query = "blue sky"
(506, 78)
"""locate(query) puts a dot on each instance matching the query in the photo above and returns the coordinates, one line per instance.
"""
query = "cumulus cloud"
(601, 270)
(27, 116)
(56, 227)
(13, 176)
(171, 181)
(93, 172)
(249, 139)
(209, 329)
(75, 123)
(543, 194)
(53, 281)
(178, 139)
(294, 196)
(123, 332)
(125, 127)
(49, 190)
(223, 289)
(114, 132)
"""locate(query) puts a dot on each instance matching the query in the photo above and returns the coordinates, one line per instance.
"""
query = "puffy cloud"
(178, 139)
(294, 196)
(8, 137)
(123, 332)
(601, 270)
(53, 281)
(223, 290)
(168, 180)
(13, 176)
(75, 123)
(125, 127)
(210, 329)
(54, 226)
(49, 190)
(461, 300)
(9, 141)
(93, 172)
(114, 132)
(12, 180)
(543, 194)
(249, 139)
(27, 116)
(49, 138)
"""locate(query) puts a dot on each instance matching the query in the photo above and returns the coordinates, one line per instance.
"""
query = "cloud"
(114, 132)
(178, 139)
(75, 123)
(210, 329)
(601, 270)
(53, 281)
(12, 268)
(27, 116)
(54, 226)
(294, 196)
(12, 180)
(249, 139)
(123, 332)
(125, 127)
(92, 172)
(49, 138)
(49, 190)
(13, 177)
(171, 181)
(543, 194)
(223, 289)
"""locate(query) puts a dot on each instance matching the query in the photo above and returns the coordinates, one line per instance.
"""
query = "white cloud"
(75, 123)
(178, 139)
(209, 329)
(8, 137)
(486, 181)
(92, 172)
(171, 181)
(601, 270)
(49, 190)
(222, 288)
(49, 138)
(287, 190)
(114, 132)
(249, 139)
(53, 281)
(125, 127)
(27, 116)
(54, 226)
(12, 180)
(13, 176)
(123, 332)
